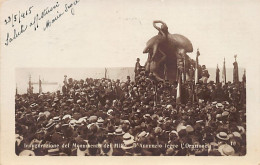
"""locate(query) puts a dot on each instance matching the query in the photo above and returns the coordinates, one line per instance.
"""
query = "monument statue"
(164, 50)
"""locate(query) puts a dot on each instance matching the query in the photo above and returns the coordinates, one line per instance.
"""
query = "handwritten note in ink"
(20, 21)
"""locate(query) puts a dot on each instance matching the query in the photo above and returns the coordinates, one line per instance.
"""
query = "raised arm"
(158, 28)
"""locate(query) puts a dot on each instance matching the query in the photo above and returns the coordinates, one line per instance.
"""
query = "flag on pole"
(30, 88)
(243, 91)
(224, 76)
(65, 80)
(244, 79)
(197, 68)
(235, 71)
(165, 73)
(183, 77)
(178, 96)
(105, 73)
(217, 75)
(40, 86)
(184, 68)
(155, 94)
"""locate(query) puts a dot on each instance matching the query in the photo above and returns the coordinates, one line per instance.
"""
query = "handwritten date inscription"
(19, 21)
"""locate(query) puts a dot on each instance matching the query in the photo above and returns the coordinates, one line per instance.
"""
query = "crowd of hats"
(120, 118)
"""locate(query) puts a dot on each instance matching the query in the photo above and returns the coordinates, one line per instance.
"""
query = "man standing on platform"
(137, 67)
(205, 74)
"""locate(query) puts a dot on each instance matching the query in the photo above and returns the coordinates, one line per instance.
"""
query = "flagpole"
(196, 77)
(178, 95)
(243, 92)
(40, 85)
(197, 67)
(235, 71)
(217, 75)
(180, 78)
(224, 78)
(184, 68)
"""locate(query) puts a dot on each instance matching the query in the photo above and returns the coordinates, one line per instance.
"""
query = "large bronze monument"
(164, 50)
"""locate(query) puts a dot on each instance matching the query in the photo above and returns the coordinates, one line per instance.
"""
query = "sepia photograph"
(163, 81)
(132, 111)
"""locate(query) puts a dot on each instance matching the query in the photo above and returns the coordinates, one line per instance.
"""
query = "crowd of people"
(103, 117)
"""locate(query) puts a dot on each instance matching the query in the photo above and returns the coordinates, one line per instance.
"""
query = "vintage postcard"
(163, 81)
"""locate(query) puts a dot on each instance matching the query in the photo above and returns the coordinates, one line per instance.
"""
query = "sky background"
(113, 34)
(106, 34)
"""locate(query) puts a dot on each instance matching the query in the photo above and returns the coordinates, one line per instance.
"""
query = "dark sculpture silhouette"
(163, 51)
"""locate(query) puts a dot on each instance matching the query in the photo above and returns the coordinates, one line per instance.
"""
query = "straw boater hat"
(50, 125)
(127, 136)
(225, 113)
(18, 139)
(160, 120)
(126, 122)
(56, 119)
(169, 152)
(109, 112)
(92, 126)
(27, 153)
(92, 119)
(226, 150)
(80, 122)
(41, 114)
(219, 105)
(237, 135)
(53, 152)
(33, 105)
(222, 136)
(129, 144)
(65, 126)
(225, 102)
(147, 116)
(214, 103)
(157, 130)
(180, 127)
(119, 132)
(143, 134)
(241, 129)
(170, 107)
(72, 122)
(218, 116)
(174, 132)
(230, 136)
(100, 121)
(66, 117)
(47, 113)
(199, 121)
(189, 128)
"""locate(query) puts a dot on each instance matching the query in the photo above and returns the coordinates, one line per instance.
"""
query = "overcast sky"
(114, 33)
